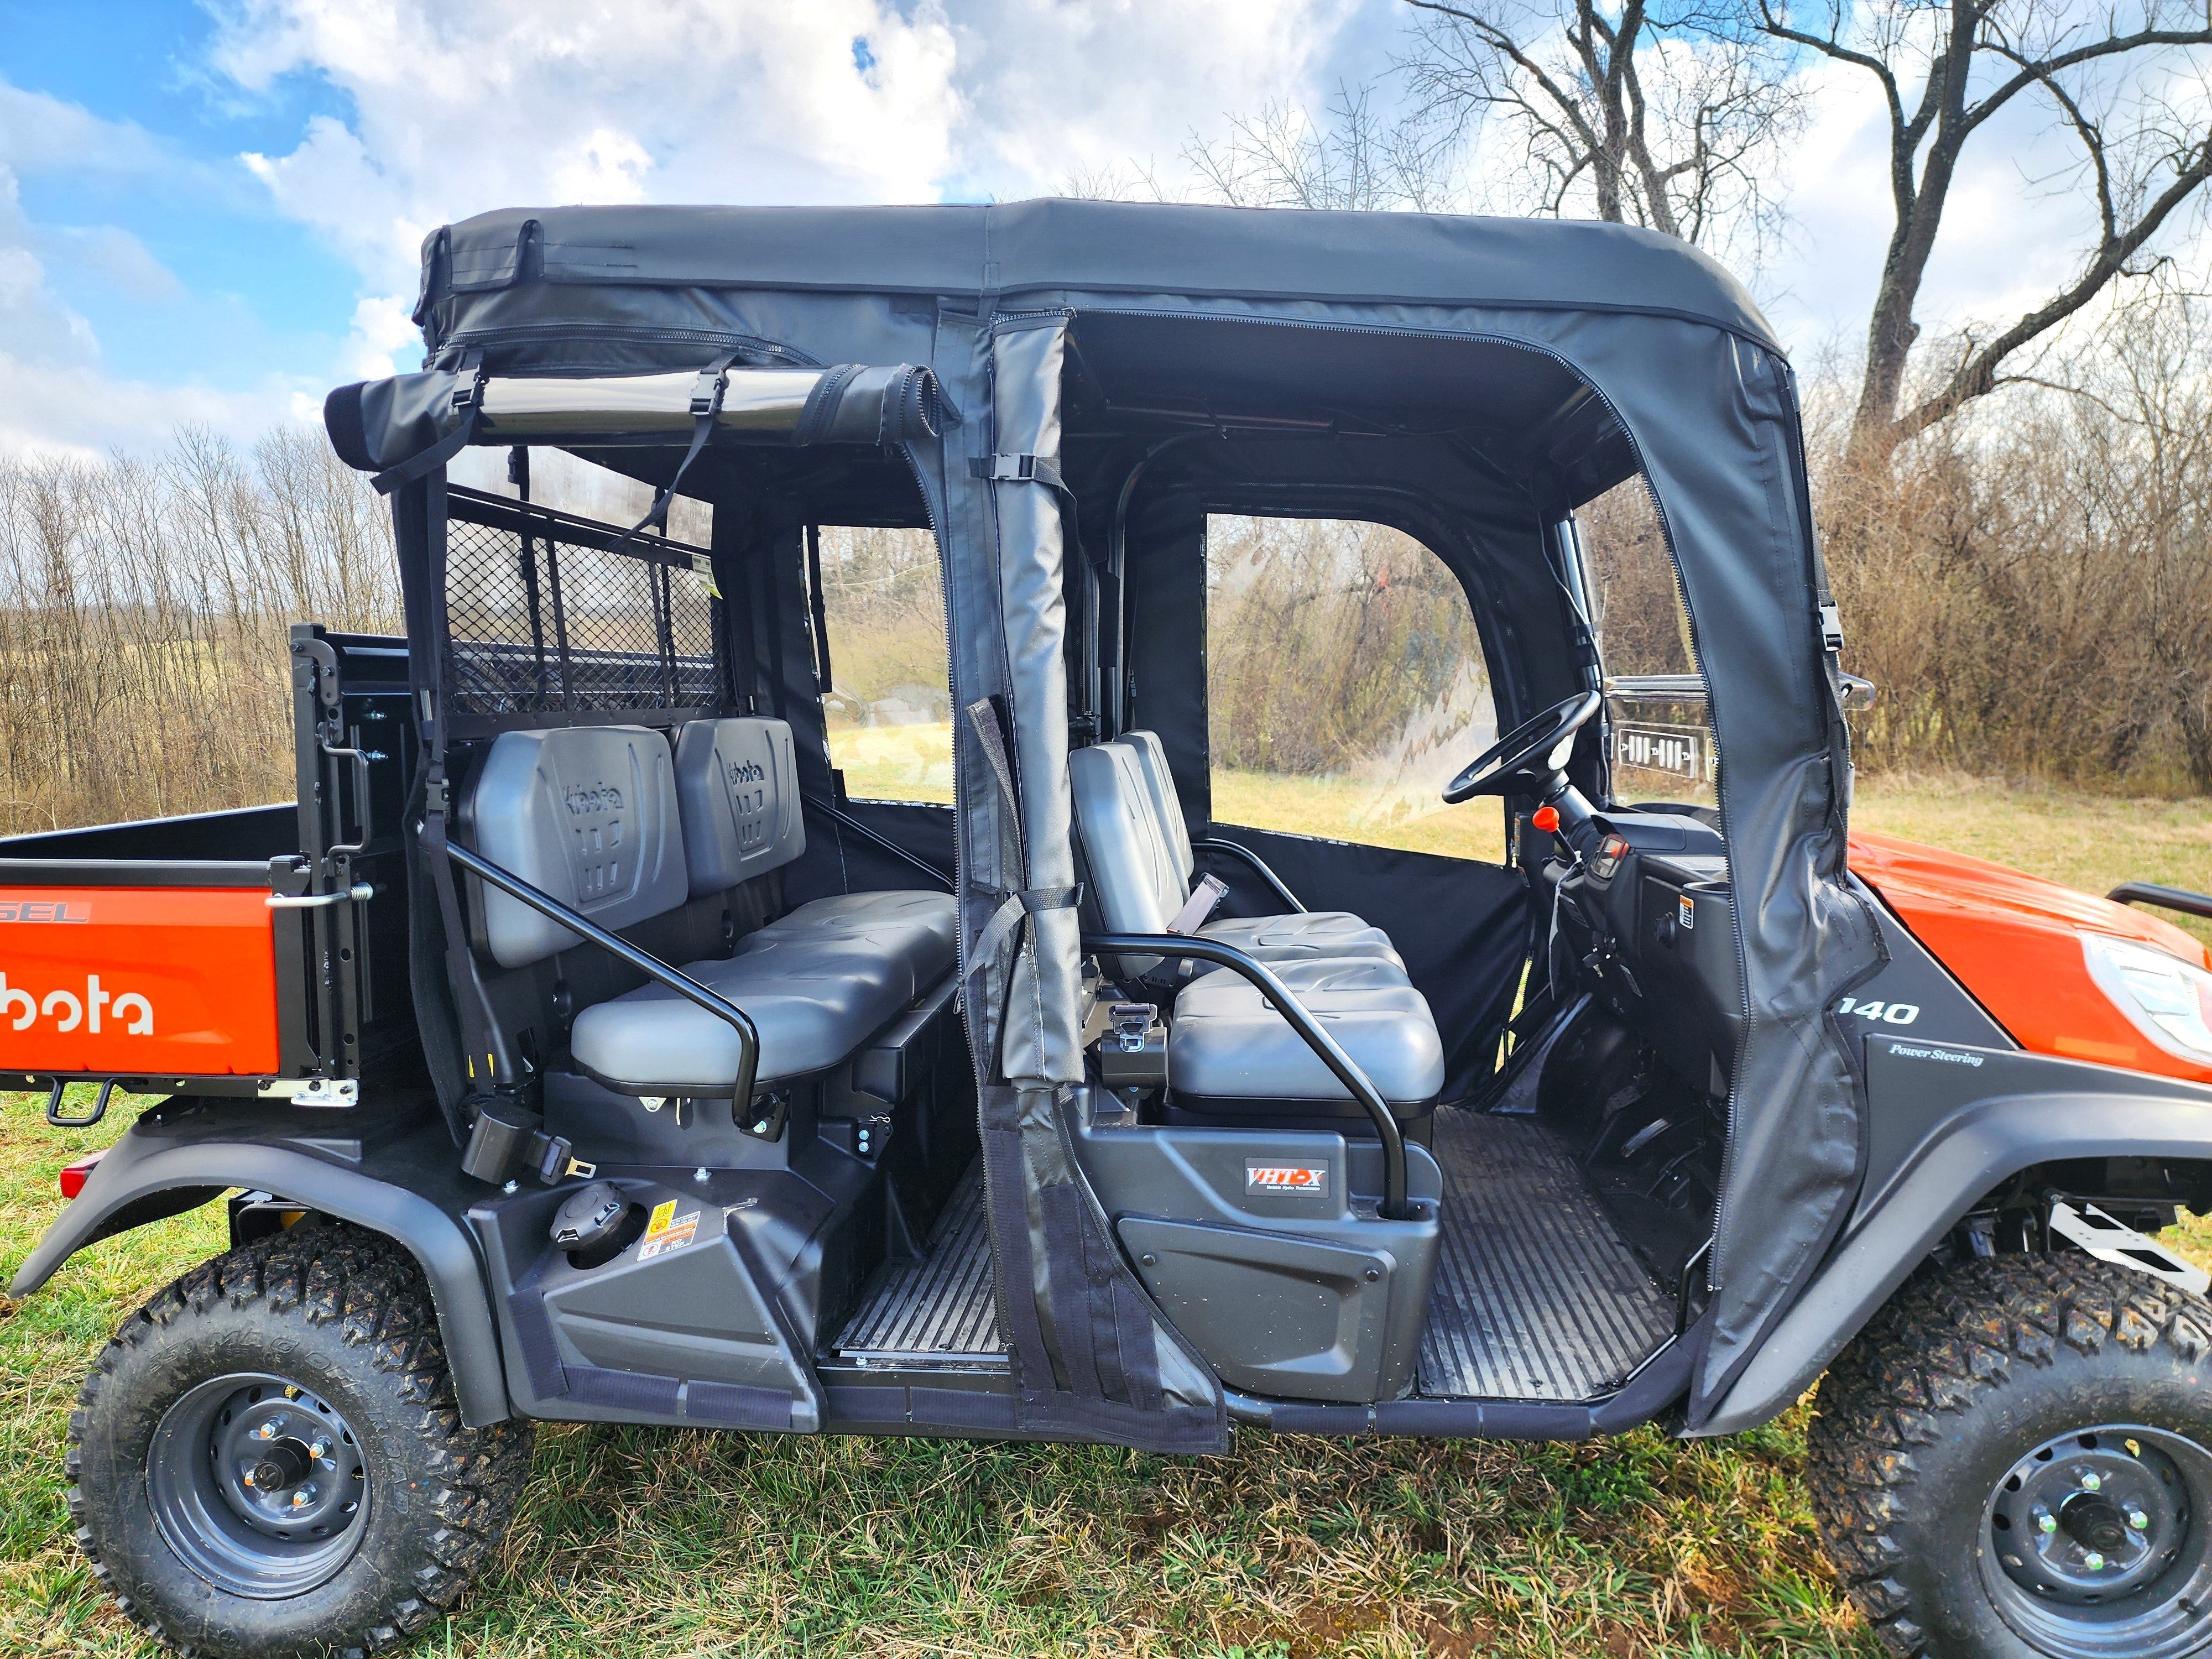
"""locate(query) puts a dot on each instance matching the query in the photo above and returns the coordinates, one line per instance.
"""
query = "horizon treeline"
(2029, 585)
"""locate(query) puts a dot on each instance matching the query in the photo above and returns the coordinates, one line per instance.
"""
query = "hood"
(2014, 941)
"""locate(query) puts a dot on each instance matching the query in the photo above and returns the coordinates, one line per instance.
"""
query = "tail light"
(75, 1175)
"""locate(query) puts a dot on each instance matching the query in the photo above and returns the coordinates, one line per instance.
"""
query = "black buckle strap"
(1018, 469)
(468, 399)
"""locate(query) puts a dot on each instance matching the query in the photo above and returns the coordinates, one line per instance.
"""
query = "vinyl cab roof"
(1056, 245)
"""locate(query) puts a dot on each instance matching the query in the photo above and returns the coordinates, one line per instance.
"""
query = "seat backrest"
(1131, 871)
(737, 785)
(1167, 806)
(585, 813)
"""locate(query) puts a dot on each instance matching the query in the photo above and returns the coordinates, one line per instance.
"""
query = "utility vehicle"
(581, 1047)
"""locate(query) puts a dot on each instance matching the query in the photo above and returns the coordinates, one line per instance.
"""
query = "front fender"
(391, 1190)
(1990, 1113)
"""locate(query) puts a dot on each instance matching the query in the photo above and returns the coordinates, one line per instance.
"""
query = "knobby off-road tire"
(2011, 1460)
(313, 1359)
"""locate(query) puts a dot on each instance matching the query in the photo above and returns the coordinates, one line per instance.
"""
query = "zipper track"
(1666, 529)
(531, 333)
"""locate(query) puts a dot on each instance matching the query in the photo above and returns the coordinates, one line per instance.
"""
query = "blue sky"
(210, 208)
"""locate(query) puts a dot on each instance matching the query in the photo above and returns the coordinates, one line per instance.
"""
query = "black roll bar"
(651, 966)
(1347, 1072)
(2166, 898)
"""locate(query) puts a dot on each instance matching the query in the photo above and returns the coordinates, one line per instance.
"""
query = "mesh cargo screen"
(546, 613)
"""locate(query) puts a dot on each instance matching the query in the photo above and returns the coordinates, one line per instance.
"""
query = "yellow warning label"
(663, 1214)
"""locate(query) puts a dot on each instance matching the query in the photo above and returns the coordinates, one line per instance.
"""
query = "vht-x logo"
(95, 1010)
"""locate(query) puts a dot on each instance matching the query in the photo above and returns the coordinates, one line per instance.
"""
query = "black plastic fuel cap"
(588, 1216)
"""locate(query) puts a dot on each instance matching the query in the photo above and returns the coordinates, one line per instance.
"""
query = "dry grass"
(645, 1541)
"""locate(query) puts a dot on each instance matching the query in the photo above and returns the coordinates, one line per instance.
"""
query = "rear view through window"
(1345, 685)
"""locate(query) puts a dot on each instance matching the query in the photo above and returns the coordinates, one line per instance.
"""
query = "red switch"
(1547, 818)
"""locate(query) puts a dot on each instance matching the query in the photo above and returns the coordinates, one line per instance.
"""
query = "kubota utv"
(580, 1049)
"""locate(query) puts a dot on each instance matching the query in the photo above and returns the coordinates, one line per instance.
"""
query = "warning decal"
(1303, 1180)
(667, 1232)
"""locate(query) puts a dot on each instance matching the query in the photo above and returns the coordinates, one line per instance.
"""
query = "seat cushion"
(925, 927)
(1227, 1044)
(1307, 935)
(812, 1001)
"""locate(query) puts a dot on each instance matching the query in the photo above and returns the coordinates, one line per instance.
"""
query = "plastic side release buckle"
(1831, 628)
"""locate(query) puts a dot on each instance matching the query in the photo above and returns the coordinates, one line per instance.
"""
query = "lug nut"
(2093, 1561)
(2092, 1481)
(2044, 1520)
(2138, 1519)
(304, 1496)
(266, 1431)
(320, 1450)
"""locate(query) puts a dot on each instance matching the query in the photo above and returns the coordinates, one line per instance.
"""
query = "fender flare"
(128, 1188)
(1970, 1153)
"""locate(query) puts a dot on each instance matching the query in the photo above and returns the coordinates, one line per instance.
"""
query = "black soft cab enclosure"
(695, 1085)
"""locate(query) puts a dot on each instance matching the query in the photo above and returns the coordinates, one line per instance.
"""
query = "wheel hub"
(258, 1485)
(2101, 1545)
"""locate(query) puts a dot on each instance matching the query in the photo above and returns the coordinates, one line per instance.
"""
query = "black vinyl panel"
(1462, 926)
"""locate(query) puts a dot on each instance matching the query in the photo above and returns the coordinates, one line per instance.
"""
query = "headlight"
(2168, 1000)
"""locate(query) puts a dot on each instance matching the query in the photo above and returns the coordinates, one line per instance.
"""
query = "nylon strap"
(469, 399)
(706, 403)
(1018, 469)
(1028, 901)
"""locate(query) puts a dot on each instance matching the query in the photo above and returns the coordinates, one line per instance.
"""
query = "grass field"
(636, 1541)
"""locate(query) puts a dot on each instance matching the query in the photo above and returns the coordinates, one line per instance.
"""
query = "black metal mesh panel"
(547, 613)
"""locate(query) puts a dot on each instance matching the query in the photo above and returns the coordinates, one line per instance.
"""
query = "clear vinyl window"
(889, 703)
(1662, 749)
(1345, 686)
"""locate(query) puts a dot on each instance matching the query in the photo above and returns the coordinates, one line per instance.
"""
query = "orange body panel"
(2014, 940)
(137, 982)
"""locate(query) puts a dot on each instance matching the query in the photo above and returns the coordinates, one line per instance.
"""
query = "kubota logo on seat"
(582, 799)
(748, 772)
(95, 1010)
(1302, 1179)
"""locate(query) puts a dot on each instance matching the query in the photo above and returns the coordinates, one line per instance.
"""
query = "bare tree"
(1352, 157)
(1666, 118)
(1945, 68)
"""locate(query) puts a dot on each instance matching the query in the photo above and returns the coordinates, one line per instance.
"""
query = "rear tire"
(267, 1460)
(2014, 1458)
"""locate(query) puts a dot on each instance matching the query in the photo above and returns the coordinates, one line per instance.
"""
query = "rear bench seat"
(605, 820)
(1230, 1055)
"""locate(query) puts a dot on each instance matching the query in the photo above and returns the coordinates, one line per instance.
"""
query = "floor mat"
(1538, 1297)
(940, 1307)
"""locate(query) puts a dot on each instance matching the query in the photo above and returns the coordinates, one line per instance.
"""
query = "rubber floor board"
(941, 1306)
(1537, 1295)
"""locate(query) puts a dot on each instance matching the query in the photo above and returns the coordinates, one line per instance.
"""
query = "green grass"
(647, 1541)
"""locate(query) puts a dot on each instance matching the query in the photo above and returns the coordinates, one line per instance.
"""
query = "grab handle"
(651, 966)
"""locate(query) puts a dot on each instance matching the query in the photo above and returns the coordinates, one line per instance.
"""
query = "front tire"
(2014, 1458)
(267, 1460)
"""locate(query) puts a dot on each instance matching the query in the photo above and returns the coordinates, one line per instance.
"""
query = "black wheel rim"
(2097, 1544)
(258, 1485)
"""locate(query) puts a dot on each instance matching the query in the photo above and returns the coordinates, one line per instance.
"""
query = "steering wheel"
(1525, 759)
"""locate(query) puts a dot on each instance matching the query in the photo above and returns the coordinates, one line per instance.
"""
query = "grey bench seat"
(1230, 1052)
(1228, 1048)
(608, 821)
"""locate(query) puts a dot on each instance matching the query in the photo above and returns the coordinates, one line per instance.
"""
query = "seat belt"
(1201, 905)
